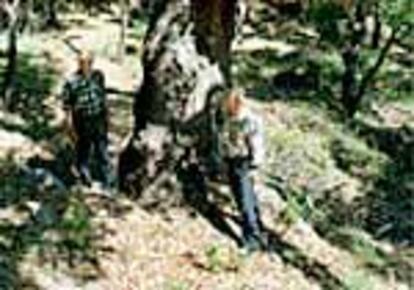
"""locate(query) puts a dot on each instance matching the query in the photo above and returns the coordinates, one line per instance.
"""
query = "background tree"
(13, 11)
(330, 16)
(50, 11)
(124, 7)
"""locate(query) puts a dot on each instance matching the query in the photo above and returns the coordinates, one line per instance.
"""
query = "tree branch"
(380, 60)
(8, 8)
(11, 9)
(71, 46)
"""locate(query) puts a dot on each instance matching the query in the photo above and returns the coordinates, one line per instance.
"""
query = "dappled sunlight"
(335, 193)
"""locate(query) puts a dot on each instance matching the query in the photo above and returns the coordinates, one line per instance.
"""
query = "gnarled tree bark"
(186, 62)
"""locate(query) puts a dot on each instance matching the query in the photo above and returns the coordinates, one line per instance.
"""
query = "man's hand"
(254, 176)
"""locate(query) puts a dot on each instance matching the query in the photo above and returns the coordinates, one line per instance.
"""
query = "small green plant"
(76, 228)
(139, 28)
(176, 285)
(291, 214)
(300, 205)
(357, 281)
(368, 253)
(214, 258)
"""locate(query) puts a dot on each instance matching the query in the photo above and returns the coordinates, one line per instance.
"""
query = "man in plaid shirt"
(84, 101)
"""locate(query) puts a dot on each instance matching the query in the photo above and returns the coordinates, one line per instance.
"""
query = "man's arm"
(67, 99)
(255, 142)
(69, 127)
(100, 79)
(66, 95)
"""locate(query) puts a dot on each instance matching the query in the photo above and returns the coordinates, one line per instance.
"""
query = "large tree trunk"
(214, 30)
(186, 62)
(376, 34)
(351, 58)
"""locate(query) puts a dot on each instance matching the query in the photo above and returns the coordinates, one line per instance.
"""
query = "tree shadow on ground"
(33, 211)
(45, 222)
(196, 195)
(390, 203)
(342, 224)
(312, 269)
(294, 257)
(255, 69)
(35, 80)
(296, 76)
(41, 216)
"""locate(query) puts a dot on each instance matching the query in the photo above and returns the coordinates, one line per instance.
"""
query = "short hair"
(234, 99)
(237, 92)
(86, 55)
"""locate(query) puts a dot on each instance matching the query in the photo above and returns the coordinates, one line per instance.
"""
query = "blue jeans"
(243, 190)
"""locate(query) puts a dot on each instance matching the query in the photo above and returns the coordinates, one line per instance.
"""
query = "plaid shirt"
(242, 136)
(85, 95)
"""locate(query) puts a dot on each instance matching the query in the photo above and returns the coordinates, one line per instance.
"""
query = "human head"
(234, 102)
(85, 62)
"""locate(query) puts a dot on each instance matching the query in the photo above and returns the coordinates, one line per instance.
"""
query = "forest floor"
(323, 237)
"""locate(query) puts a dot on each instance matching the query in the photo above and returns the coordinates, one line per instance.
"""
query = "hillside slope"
(317, 193)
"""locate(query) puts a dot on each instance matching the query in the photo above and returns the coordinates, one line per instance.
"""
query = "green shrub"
(355, 157)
